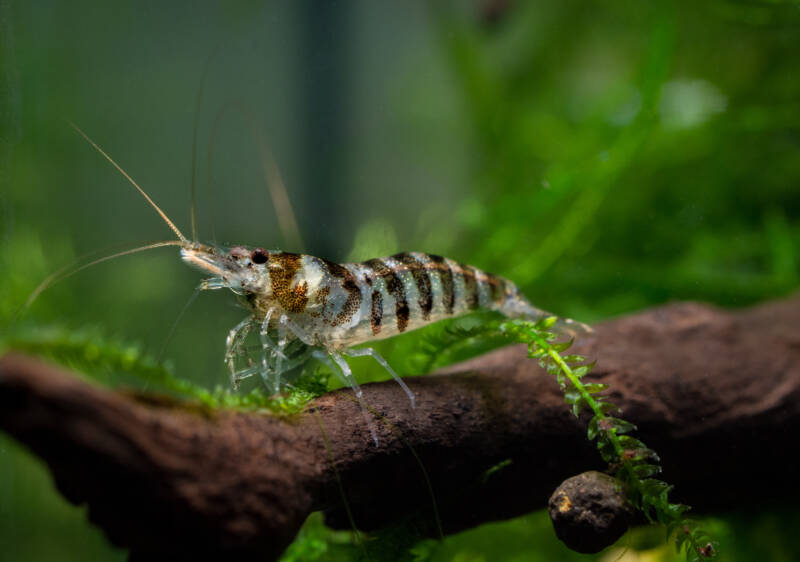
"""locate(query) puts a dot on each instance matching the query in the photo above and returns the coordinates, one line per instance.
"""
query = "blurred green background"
(605, 156)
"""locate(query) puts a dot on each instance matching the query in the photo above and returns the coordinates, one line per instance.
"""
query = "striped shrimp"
(333, 307)
(306, 307)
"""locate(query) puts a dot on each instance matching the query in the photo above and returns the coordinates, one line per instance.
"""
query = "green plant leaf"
(595, 387)
(646, 470)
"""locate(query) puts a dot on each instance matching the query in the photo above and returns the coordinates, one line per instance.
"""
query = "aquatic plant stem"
(587, 397)
(698, 545)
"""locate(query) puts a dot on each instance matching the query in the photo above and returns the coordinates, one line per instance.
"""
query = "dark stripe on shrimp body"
(422, 281)
(348, 282)
(394, 286)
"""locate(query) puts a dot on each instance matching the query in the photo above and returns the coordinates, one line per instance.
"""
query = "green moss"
(114, 363)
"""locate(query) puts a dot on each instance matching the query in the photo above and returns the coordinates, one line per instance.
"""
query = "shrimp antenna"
(287, 223)
(174, 228)
(198, 102)
(71, 269)
(193, 209)
(278, 192)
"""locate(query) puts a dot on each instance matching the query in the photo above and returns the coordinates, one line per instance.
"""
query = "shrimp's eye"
(259, 256)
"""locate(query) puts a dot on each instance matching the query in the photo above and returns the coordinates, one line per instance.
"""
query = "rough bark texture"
(716, 394)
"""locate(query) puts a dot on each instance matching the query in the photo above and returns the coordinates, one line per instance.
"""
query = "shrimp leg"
(369, 352)
(346, 376)
(233, 343)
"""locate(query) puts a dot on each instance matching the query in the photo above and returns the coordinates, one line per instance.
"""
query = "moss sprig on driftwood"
(115, 362)
(629, 460)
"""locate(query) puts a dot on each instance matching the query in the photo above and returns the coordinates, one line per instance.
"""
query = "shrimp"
(306, 307)
(333, 307)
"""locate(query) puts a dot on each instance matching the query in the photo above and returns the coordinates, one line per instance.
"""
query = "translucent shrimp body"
(339, 306)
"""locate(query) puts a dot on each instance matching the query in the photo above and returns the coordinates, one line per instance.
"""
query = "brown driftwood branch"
(717, 394)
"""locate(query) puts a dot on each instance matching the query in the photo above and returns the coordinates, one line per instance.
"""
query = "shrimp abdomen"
(410, 290)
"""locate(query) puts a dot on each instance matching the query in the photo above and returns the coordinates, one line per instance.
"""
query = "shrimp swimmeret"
(303, 306)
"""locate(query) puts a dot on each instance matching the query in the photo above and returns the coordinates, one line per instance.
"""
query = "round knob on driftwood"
(589, 512)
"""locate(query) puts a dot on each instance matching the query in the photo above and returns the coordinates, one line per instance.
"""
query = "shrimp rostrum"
(305, 307)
